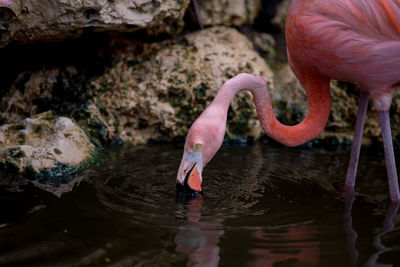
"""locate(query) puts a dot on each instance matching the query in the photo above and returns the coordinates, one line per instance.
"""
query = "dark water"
(263, 205)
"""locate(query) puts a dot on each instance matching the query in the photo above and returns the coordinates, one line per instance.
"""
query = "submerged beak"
(188, 181)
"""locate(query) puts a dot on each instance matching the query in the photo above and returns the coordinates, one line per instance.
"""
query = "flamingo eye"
(197, 146)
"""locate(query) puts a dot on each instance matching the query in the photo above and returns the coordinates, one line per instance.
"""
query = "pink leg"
(389, 155)
(355, 149)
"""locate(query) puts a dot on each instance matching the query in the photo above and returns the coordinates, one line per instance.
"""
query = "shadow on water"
(263, 205)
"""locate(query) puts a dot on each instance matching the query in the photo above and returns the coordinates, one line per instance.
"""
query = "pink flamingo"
(349, 40)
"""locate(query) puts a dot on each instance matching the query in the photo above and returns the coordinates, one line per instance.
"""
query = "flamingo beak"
(188, 181)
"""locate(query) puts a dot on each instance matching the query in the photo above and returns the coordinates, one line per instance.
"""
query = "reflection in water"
(348, 227)
(388, 226)
(198, 239)
(351, 234)
(295, 244)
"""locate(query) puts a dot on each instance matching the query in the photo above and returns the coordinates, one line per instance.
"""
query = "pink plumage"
(357, 41)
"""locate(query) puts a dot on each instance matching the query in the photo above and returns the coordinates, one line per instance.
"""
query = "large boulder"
(44, 143)
(158, 94)
(45, 20)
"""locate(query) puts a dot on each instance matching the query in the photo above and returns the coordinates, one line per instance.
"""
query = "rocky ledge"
(49, 20)
(44, 144)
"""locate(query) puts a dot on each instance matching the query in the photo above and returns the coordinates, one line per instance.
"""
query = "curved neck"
(319, 106)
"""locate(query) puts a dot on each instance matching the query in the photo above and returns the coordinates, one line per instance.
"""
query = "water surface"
(263, 205)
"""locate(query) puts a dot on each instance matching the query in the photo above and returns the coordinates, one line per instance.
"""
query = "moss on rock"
(160, 92)
(42, 144)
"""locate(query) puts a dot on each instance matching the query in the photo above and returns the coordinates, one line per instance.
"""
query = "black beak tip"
(185, 190)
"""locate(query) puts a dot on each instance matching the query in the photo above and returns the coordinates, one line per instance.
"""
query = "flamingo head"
(202, 142)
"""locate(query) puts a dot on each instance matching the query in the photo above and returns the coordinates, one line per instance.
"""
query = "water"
(263, 205)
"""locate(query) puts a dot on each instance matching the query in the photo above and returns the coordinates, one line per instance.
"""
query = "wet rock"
(42, 143)
(28, 21)
(158, 94)
(229, 13)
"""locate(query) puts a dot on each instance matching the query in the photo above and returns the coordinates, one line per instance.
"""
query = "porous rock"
(20, 101)
(158, 94)
(30, 20)
(43, 142)
(229, 12)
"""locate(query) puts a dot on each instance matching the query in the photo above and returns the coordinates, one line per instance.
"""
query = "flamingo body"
(351, 40)
(348, 40)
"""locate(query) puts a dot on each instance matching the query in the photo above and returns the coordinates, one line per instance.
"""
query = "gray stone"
(49, 20)
(42, 143)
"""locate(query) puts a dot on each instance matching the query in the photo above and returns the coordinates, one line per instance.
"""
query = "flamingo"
(348, 40)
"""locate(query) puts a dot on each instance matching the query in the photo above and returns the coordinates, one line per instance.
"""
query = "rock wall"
(50, 20)
(153, 91)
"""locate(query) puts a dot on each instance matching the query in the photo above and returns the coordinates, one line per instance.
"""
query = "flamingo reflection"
(295, 244)
(199, 238)
(387, 224)
(200, 241)
(196, 238)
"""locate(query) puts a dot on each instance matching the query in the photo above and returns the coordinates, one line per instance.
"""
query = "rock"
(263, 42)
(229, 13)
(289, 100)
(49, 20)
(158, 94)
(21, 100)
(43, 143)
(152, 91)
(341, 123)
(280, 17)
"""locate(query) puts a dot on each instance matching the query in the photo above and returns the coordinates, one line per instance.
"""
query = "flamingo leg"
(389, 155)
(355, 149)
